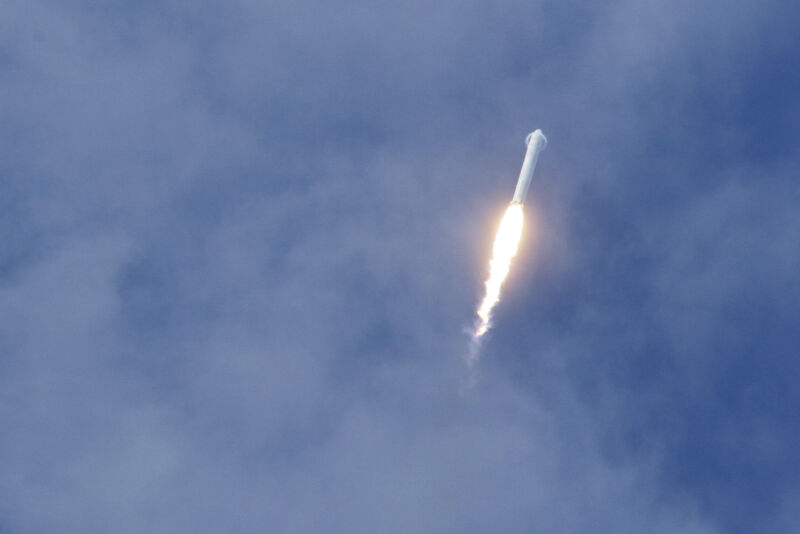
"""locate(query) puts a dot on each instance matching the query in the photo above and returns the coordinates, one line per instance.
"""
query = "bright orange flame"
(505, 248)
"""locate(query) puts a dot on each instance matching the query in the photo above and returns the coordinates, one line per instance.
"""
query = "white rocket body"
(536, 142)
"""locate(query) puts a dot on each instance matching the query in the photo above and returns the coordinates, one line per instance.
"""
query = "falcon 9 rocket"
(536, 142)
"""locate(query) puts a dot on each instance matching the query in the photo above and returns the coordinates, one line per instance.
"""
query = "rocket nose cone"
(536, 137)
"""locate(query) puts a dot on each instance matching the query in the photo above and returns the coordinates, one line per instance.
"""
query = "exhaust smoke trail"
(505, 248)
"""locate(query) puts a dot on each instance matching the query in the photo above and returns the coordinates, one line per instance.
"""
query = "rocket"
(536, 142)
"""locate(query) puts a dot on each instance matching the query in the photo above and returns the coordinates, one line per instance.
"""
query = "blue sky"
(240, 242)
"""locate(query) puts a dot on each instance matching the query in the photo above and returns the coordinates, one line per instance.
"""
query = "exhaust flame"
(505, 248)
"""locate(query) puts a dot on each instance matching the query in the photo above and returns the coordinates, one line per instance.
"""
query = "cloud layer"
(240, 243)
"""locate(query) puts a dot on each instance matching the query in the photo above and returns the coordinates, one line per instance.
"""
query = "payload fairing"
(536, 142)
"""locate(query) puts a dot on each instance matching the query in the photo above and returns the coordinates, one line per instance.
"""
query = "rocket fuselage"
(536, 142)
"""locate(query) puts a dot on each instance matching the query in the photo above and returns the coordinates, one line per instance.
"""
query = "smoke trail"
(505, 248)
